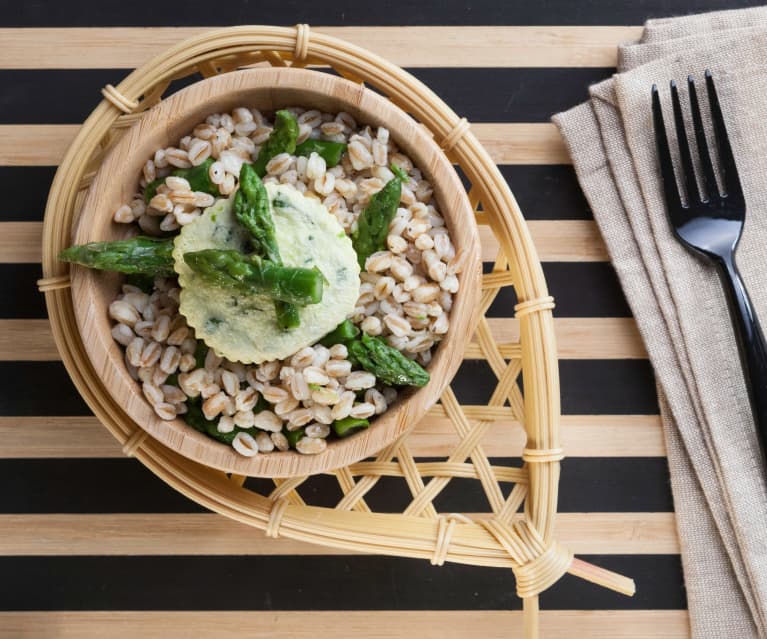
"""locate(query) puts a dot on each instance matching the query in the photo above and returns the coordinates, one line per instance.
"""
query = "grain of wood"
(21, 242)
(583, 436)
(578, 338)
(538, 46)
(507, 143)
(556, 241)
(378, 624)
(209, 534)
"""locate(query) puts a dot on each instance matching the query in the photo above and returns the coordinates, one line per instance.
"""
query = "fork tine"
(673, 199)
(684, 147)
(708, 178)
(730, 180)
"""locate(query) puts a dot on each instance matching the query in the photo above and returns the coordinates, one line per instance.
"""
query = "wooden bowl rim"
(107, 359)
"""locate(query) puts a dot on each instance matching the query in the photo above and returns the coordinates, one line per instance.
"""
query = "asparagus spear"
(197, 176)
(387, 363)
(232, 269)
(138, 255)
(282, 139)
(341, 334)
(348, 425)
(251, 207)
(373, 222)
(331, 152)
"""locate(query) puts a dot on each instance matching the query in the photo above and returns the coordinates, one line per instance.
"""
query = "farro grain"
(178, 158)
(246, 399)
(274, 394)
(267, 420)
(362, 410)
(245, 444)
(173, 394)
(440, 325)
(322, 414)
(311, 445)
(214, 405)
(152, 393)
(165, 411)
(265, 443)
(376, 398)
(315, 375)
(321, 355)
(298, 418)
(371, 325)
(338, 368)
(225, 424)
(161, 328)
(317, 430)
(344, 405)
(151, 354)
(303, 358)
(286, 406)
(170, 360)
(338, 351)
(244, 419)
(122, 334)
(360, 380)
(230, 382)
(280, 441)
(209, 389)
(121, 311)
(325, 396)
(124, 215)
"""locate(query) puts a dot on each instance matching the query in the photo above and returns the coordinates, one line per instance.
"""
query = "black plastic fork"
(710, 223)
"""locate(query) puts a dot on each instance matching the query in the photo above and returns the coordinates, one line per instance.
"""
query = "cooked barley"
(245, 444)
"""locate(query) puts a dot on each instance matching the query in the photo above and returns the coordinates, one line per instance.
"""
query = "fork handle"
(753, 350)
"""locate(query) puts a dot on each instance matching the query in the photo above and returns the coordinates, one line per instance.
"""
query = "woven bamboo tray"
(518, 533)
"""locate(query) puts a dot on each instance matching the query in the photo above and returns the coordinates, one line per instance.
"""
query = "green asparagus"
(252, 209)
(294, 435)
(349, 425)
(232, 269)
(282, 139)
(388, 364)
(331, 152)
(138, 255)
(197, 176)
(341, 334)
(373, 223)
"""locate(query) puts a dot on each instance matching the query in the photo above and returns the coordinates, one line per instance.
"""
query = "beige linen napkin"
(714, 457)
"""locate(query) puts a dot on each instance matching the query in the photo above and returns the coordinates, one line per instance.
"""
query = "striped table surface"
(93, 545)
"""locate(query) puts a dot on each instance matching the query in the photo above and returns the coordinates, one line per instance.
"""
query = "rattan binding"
(518, 533)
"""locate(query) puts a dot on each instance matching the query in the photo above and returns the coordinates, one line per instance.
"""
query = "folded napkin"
(717, 469)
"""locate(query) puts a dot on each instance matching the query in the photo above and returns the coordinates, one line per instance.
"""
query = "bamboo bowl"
(266, 89)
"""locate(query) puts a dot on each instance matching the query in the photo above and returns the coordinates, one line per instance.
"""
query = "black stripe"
(355, 582)
(508, 95)
(581, 289)
(635, 484)
(26, 192)
(52, 13)
(545, 192)
(18, 290)
(38, 388)
(589, 387)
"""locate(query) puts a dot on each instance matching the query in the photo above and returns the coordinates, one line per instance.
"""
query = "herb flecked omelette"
(243, 327)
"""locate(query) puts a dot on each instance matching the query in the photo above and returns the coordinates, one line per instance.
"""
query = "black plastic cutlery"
(710, 223)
